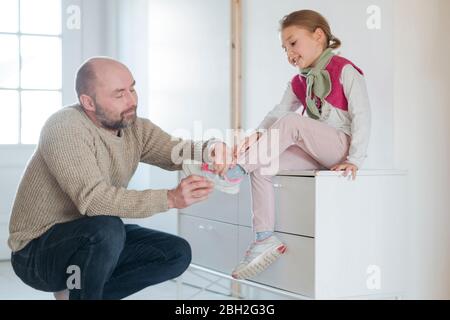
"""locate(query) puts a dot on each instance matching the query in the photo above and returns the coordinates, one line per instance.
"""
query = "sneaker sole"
(260, 264)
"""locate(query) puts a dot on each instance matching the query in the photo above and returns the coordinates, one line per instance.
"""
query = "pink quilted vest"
(336, 97)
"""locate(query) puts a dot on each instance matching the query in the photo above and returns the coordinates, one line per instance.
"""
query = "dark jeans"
(114, 260)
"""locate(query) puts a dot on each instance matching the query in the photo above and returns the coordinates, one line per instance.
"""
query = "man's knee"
(105, 229)
(183, 254)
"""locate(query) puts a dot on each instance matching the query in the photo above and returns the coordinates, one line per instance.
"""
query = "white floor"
(12, 288)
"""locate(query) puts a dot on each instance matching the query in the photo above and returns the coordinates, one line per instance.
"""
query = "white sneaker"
(258, 257)
(230, 186)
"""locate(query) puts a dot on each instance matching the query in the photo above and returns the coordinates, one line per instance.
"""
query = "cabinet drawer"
(293, 271)
(214, 244)
(219, 206)
(294, 205)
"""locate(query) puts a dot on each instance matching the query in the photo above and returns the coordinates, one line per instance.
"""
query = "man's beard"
(111, 124)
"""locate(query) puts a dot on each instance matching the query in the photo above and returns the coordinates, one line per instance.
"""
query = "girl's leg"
(267, 248)
(263, 195)
(325, 144)
(293, 142)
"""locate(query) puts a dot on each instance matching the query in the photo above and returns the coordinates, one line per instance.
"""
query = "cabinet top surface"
(325, 173)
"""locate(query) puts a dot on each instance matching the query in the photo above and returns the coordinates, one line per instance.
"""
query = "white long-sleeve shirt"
(356, 122)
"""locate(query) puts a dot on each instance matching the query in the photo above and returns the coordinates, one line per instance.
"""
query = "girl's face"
(302, 47)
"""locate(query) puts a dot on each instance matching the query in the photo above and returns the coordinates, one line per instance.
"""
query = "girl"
(331, 132)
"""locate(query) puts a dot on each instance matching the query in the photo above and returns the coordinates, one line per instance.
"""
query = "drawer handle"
(208, 228)
(278, 185)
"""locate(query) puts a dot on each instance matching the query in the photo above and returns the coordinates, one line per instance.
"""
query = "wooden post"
(236, 64)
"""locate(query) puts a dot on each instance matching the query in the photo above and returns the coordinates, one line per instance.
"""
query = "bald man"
(66, 232)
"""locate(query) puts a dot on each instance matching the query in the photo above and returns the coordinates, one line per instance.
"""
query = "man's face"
(115, 98)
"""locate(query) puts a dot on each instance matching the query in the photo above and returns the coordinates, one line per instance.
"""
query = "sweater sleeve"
(359, 109)
(69, 154)
(289, 103)
(168, 152)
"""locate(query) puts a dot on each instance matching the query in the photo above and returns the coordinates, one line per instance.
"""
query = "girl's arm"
(289, 103)
(355, 90)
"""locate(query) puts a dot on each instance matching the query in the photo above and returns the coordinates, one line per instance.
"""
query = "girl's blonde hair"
(311, 20)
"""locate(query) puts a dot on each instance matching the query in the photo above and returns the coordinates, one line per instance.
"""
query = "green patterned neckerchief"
(318, 81)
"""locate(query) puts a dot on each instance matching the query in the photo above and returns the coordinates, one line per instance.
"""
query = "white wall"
(132, 48)
(95, 37)
(189, 63)
(179, 52)
(421, 144)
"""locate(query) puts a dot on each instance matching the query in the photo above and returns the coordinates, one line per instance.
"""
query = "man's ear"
(87, 103)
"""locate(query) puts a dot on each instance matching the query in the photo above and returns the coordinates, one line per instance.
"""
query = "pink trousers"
(292, 143)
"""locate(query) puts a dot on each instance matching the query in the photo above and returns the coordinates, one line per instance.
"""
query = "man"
(66, 214)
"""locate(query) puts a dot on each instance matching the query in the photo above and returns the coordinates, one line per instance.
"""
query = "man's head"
(105, 89)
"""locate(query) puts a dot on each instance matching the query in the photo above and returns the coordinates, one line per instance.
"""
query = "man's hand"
(347, 167)
(191, 190)
(222, 157)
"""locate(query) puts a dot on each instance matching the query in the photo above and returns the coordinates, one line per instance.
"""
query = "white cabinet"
(215, 242)
(220, 206)
(295, 205)
(345, 239)
(295, 272)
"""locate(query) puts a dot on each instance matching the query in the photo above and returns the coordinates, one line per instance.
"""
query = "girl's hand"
(347, 167)
(222, 157)
(245, 144)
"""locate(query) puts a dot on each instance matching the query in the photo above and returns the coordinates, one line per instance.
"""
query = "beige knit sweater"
(79, 169)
